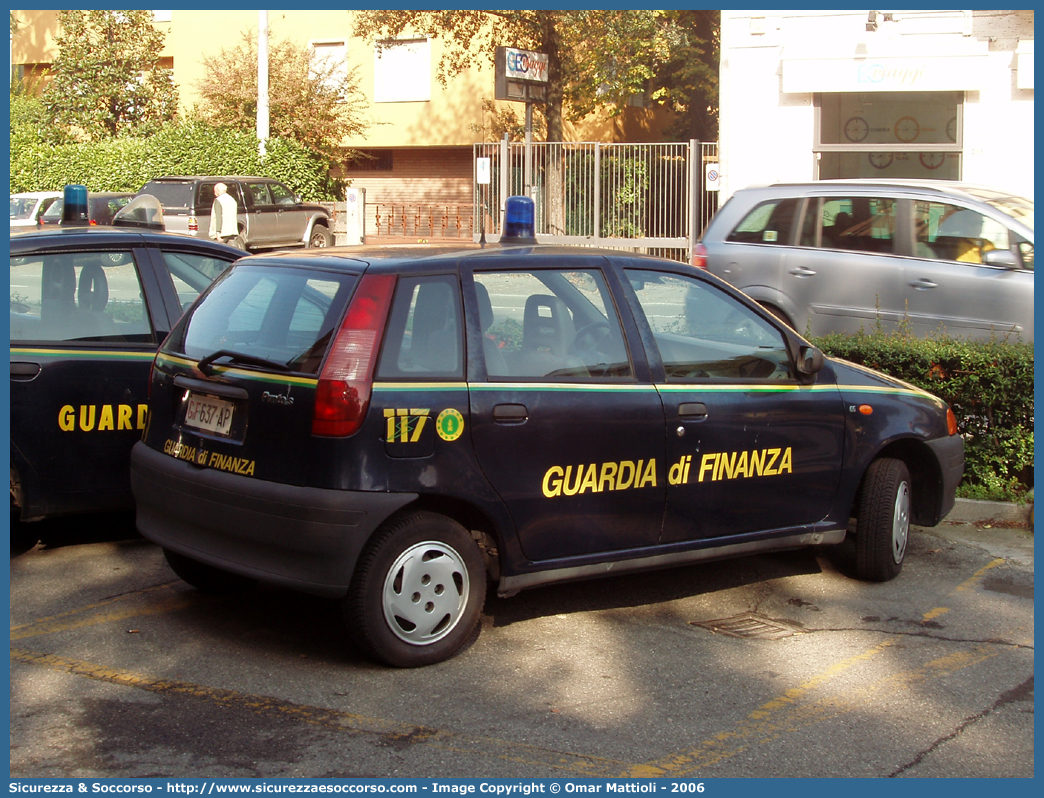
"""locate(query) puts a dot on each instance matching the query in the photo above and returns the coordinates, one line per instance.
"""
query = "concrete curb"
(974, 511)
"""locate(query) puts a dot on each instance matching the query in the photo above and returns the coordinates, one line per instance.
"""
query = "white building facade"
(808, 95)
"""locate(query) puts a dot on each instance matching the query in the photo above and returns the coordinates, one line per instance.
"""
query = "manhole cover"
(750, 625)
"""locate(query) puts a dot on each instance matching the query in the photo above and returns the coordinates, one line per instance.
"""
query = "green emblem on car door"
(449, 424)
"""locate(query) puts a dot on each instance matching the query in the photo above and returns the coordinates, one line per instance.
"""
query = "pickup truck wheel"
(206, 578)
(237, 242)
(418, 592)
(883, 520)
(320, 237)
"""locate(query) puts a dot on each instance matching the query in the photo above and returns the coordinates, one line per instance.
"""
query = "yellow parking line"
(103, 612)
(967, 584)
(785, 713)
(975, 578)
(350, 723)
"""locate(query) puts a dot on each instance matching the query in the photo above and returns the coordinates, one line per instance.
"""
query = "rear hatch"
(235, 385)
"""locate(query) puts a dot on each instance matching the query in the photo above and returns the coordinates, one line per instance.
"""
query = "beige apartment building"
(420, 133)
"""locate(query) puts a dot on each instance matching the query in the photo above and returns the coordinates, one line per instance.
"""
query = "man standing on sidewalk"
(223, 213)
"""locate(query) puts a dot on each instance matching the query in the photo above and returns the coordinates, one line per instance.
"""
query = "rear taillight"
(343, 394)
(193, 225)
(699, 256)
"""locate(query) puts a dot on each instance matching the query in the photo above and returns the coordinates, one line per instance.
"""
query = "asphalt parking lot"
(120, 670)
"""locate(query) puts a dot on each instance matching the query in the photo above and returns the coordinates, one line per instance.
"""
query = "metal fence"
(645, 197)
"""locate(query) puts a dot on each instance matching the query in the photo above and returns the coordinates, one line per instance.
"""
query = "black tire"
(418, 590)
(320, 237)
(238, 242)
(883, 520)
(206, 578)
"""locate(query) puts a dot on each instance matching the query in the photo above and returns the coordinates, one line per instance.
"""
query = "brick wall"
(434, 182)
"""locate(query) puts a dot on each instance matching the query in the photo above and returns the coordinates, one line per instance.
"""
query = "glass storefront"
(889, 135)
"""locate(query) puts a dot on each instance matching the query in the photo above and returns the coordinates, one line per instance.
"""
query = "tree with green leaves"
(108, 79)
(596, 58)
(687, 82)
(311, 100)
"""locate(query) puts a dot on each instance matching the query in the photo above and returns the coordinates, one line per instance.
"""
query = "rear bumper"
(305, 538)
(950, 454)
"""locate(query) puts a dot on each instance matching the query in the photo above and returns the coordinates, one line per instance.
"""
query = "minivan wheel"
(883, 520)
(418, 592)
(320, 237)
(206, 578)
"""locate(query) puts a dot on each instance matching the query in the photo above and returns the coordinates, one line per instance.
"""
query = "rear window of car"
(22, 207)
(284, 315)
(170, 194)
(768, 223)
(54, 213)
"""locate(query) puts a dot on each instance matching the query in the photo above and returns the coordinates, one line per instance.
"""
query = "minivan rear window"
(282, 315)
(170, 195)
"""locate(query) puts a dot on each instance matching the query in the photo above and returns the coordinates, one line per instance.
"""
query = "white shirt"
(223, 217)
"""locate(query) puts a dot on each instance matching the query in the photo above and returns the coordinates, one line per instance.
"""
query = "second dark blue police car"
(89, 308)
(398, 429)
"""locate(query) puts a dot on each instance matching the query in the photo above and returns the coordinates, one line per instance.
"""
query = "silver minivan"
(842, 256)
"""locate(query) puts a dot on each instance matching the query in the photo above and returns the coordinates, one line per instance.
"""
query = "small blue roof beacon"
(74, 205)
(519, 221)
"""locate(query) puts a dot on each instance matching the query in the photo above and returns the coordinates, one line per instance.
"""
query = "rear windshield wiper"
(207, 367)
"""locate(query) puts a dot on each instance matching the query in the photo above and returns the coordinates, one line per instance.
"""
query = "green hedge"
(988, 384)
(192, 148)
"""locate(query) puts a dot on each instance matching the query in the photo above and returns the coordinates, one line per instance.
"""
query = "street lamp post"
(263, 128)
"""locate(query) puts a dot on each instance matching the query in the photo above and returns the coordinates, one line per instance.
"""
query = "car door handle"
(922, 284)
(510, 413)
(692, 410)
(24, 372)
(801, 271)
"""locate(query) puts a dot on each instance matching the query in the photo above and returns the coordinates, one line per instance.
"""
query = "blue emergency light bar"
(74, 205)
(519, 221)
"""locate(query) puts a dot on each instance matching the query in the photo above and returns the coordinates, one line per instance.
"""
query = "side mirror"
(810, 360)
(1003, 258)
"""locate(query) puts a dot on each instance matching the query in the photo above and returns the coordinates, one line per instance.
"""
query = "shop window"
(768, 223)
(889, 134)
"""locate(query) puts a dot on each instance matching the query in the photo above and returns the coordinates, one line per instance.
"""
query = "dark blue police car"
(398, 428)
(89, 307)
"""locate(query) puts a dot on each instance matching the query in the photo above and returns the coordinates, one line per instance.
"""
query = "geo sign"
(525, 65)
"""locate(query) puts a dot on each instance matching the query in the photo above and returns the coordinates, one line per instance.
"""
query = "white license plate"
(208, 413)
